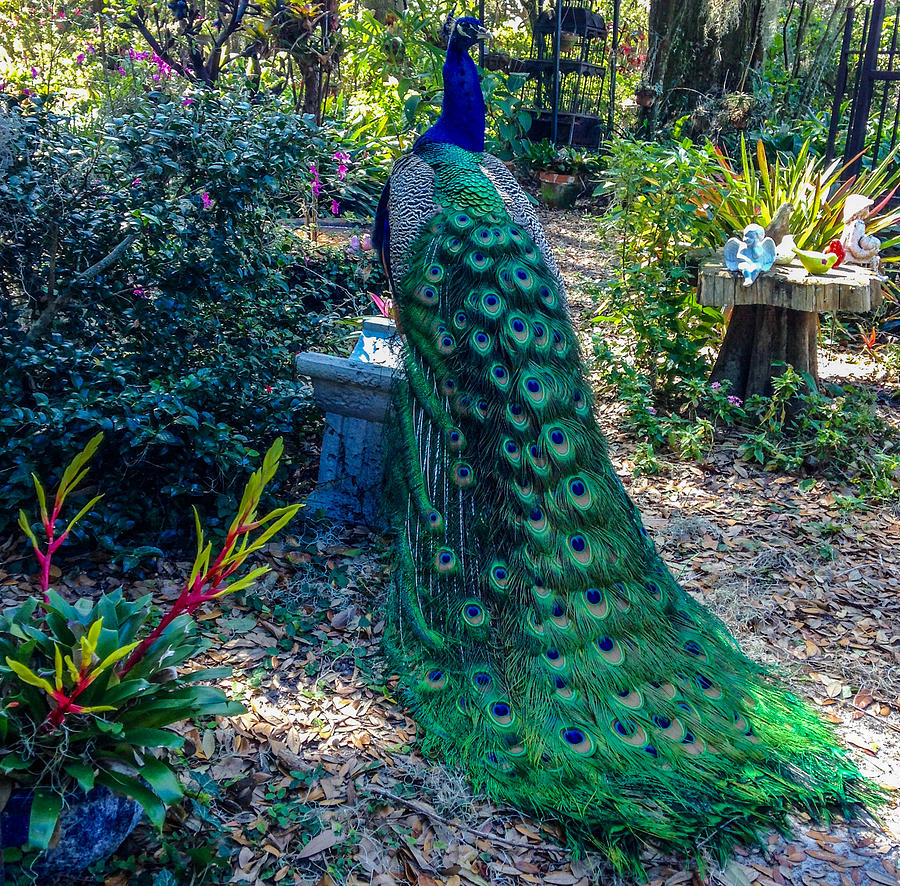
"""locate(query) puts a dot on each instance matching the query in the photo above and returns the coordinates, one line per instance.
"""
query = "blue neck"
(462, 114)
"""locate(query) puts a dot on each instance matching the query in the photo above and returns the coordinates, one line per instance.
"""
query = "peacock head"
(465, 32)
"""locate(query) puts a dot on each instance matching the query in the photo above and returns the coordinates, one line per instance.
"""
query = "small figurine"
(860, 248)
(835, 247)
(784, 251)
(778, 228)
(750, 256)
(816, 262)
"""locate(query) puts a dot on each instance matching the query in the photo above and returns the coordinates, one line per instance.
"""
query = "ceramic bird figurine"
(816, 262)
(860, 248)
(784, 251)
(750, 256)
(777, 229)
(837, 248)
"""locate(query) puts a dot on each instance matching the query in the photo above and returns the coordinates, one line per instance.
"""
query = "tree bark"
(760, 336)
(687, 60)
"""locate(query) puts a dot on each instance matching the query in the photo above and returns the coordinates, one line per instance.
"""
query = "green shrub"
(179, 345)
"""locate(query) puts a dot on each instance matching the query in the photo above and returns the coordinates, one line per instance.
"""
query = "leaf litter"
(320, 782)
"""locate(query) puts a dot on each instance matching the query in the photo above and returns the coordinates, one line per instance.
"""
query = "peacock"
(540, 640)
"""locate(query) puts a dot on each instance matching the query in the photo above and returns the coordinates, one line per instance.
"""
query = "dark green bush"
(179, 345)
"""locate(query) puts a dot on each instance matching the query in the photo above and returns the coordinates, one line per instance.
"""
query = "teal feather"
(539, 638)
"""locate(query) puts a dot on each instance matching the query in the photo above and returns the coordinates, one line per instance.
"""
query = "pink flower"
(335, 207)
(60, 13)
(122, 71)
(715, 386)
(34, 73)
(76, 12)
(138, 291)
(735, 401)
(79, 59)
(316, 185)
(342, 172)
(207, 202)
(136, 182)
(187, 101)
(90, 49)
(366, 243)
(651, 410)
(27, 92)
(268, 389)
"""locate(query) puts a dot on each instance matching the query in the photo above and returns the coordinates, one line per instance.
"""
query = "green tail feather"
(540, 639)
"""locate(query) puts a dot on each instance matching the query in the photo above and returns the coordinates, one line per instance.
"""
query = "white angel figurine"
(750, 256)
(860, 248)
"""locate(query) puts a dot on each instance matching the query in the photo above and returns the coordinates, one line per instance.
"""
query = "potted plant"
(89, 688)
(563, 173)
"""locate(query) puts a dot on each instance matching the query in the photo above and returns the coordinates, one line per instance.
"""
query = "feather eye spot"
(557, 436)
(473, 614)
(518, 325)
(703, 681)
(515, 409)
(462, 474)
(446, 344)
(533, 385)
(655, 592)
(577, 488)
(483, 680)
(553, 654)
(559, 683)
(557, 337)
(434, 274)
(445, 561)
(501, 710)
(626, 728)
(606, 644)
(649, 749)
(436, 679)
(427, 295)
(500, 373)
(692, 647)
(573, 736)
(593, 596)
(536, 515)
(460, 319)
(578, 543)
(448, 385)
(455, 439)
(661, 722)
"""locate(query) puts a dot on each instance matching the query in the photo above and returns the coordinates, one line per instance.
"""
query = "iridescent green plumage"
(540, 639)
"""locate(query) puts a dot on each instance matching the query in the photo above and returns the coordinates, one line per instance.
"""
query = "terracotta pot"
(558, 188)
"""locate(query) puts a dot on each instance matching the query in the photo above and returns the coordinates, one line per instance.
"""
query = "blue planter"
(91, 827)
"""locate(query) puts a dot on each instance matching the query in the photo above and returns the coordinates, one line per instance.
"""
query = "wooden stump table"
(776, 319)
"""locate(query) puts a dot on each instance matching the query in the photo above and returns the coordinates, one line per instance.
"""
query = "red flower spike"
(835, 247)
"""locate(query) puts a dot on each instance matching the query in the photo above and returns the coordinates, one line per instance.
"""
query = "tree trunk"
(759, 336)
(688, 59)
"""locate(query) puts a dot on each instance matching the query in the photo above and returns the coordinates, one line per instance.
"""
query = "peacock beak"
(483, 33)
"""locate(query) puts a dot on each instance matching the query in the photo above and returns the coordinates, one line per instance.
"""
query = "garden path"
(320, 782)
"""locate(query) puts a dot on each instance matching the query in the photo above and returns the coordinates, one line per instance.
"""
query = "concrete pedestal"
(354, 393)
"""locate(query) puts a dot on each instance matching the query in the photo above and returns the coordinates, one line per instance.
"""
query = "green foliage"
(653, 298)
(88, 688)
(660, 374)
(734, 194)
(177, 295)
(543, 155)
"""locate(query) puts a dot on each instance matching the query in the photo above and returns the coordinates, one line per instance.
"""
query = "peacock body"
(541, 641)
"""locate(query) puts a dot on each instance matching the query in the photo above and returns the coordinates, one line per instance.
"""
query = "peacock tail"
(539, 638)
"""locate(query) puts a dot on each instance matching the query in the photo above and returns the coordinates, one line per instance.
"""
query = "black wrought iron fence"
(867, 91)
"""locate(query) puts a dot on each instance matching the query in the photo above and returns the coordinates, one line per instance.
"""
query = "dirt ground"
(321, 780)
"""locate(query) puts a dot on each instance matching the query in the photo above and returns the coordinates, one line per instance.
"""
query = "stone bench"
(354, 393)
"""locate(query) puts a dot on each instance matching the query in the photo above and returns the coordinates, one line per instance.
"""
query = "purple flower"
(187, 100)
(79, 59)
(735, 401)
(207, 202)
(136, 182)
(122, 71)
(335, 207)
(90, 49)
(366, 243)
(651, 410)
(342, 172)
(34, 73)
(315, 184)
(138, 291)
(715, 386)
(354, 243)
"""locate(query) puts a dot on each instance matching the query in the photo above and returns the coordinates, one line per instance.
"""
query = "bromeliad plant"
(88, 688)
(732, 194)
